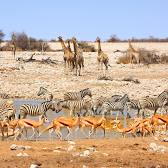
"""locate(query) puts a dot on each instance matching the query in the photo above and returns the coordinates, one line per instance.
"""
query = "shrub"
(146, 57)
(164, 59)
(114, 38)
(1, 35)
(86, 47)
(123, 59)
(23, 42)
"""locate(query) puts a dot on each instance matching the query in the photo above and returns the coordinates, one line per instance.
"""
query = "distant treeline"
(114, 38)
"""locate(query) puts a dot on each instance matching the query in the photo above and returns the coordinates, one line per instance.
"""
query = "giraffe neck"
(131, 47)
(75, 48)
(63, 45)
(99, 47)
(69, 47)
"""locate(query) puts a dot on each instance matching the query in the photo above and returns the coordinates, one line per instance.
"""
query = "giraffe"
(68, 55)
(102, 58)
(133, 53)
(69, 46)
(78, 57)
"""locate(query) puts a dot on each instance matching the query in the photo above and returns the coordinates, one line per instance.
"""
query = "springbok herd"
(85, 112)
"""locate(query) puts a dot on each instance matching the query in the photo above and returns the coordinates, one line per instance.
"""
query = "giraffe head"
(97, 39)
(73, 39)
(60, 38)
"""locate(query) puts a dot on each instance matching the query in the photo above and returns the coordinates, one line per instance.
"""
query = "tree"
(1, 35)
(113, 38)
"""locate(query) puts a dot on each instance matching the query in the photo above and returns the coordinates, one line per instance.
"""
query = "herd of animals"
(84, 112)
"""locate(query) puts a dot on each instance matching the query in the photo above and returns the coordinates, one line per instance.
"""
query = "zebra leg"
(79, 70)
(71, 112)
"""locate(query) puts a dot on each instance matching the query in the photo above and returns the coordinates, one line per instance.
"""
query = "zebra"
(36, 110)
(134, 104)
(154, 103)
(4, 96)
(77, 95)
(100, 100)
(7, 110)
(77, 105)
(117, 106)
(48, 95)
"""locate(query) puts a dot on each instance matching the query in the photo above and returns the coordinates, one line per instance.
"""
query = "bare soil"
(121, 152)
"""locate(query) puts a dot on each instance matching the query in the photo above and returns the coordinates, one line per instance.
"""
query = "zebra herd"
(77, 102)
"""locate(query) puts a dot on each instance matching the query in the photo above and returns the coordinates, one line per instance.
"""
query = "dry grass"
(146, 57)
(86, 47)
(123, 59)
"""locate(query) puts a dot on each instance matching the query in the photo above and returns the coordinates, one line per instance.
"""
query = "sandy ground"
(25, 83)
(114, 153)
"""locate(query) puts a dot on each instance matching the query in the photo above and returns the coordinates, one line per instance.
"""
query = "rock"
(22, 154)
(165, 140)
(157, 148)
(35, 165)
(156, 138)
(56, 151)
(86, 153)
(19, 147)
(105, 154)
(92, 149)
(70, 148)
(71, 142)
(84, 166)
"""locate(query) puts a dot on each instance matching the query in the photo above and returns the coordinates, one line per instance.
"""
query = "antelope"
(92, 122)
(142, 126)
(27, 123)
(61, 122)
(157, 120)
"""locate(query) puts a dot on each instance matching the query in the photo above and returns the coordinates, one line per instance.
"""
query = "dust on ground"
(120, 152)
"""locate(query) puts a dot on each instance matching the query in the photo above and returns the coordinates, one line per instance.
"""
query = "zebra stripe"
(117, 106)
(77, 95)
(154, 103)
(77, 105)
(4, 96)
(35, 110)
(134, 104)
(48, 95)
(7, 109)
(100, 100)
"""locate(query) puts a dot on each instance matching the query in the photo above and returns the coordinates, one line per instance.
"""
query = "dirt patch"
(129, 152)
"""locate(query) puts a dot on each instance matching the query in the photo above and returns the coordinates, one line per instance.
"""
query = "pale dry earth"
(25, 81)
(101, 153)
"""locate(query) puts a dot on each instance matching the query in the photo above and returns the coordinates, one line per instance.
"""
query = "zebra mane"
(84, 90)
(165, 91)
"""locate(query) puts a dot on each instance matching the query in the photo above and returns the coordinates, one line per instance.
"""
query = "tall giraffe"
(102, 58)
(78, 58)
(133, 53)
(69, 46)
(68, 55)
